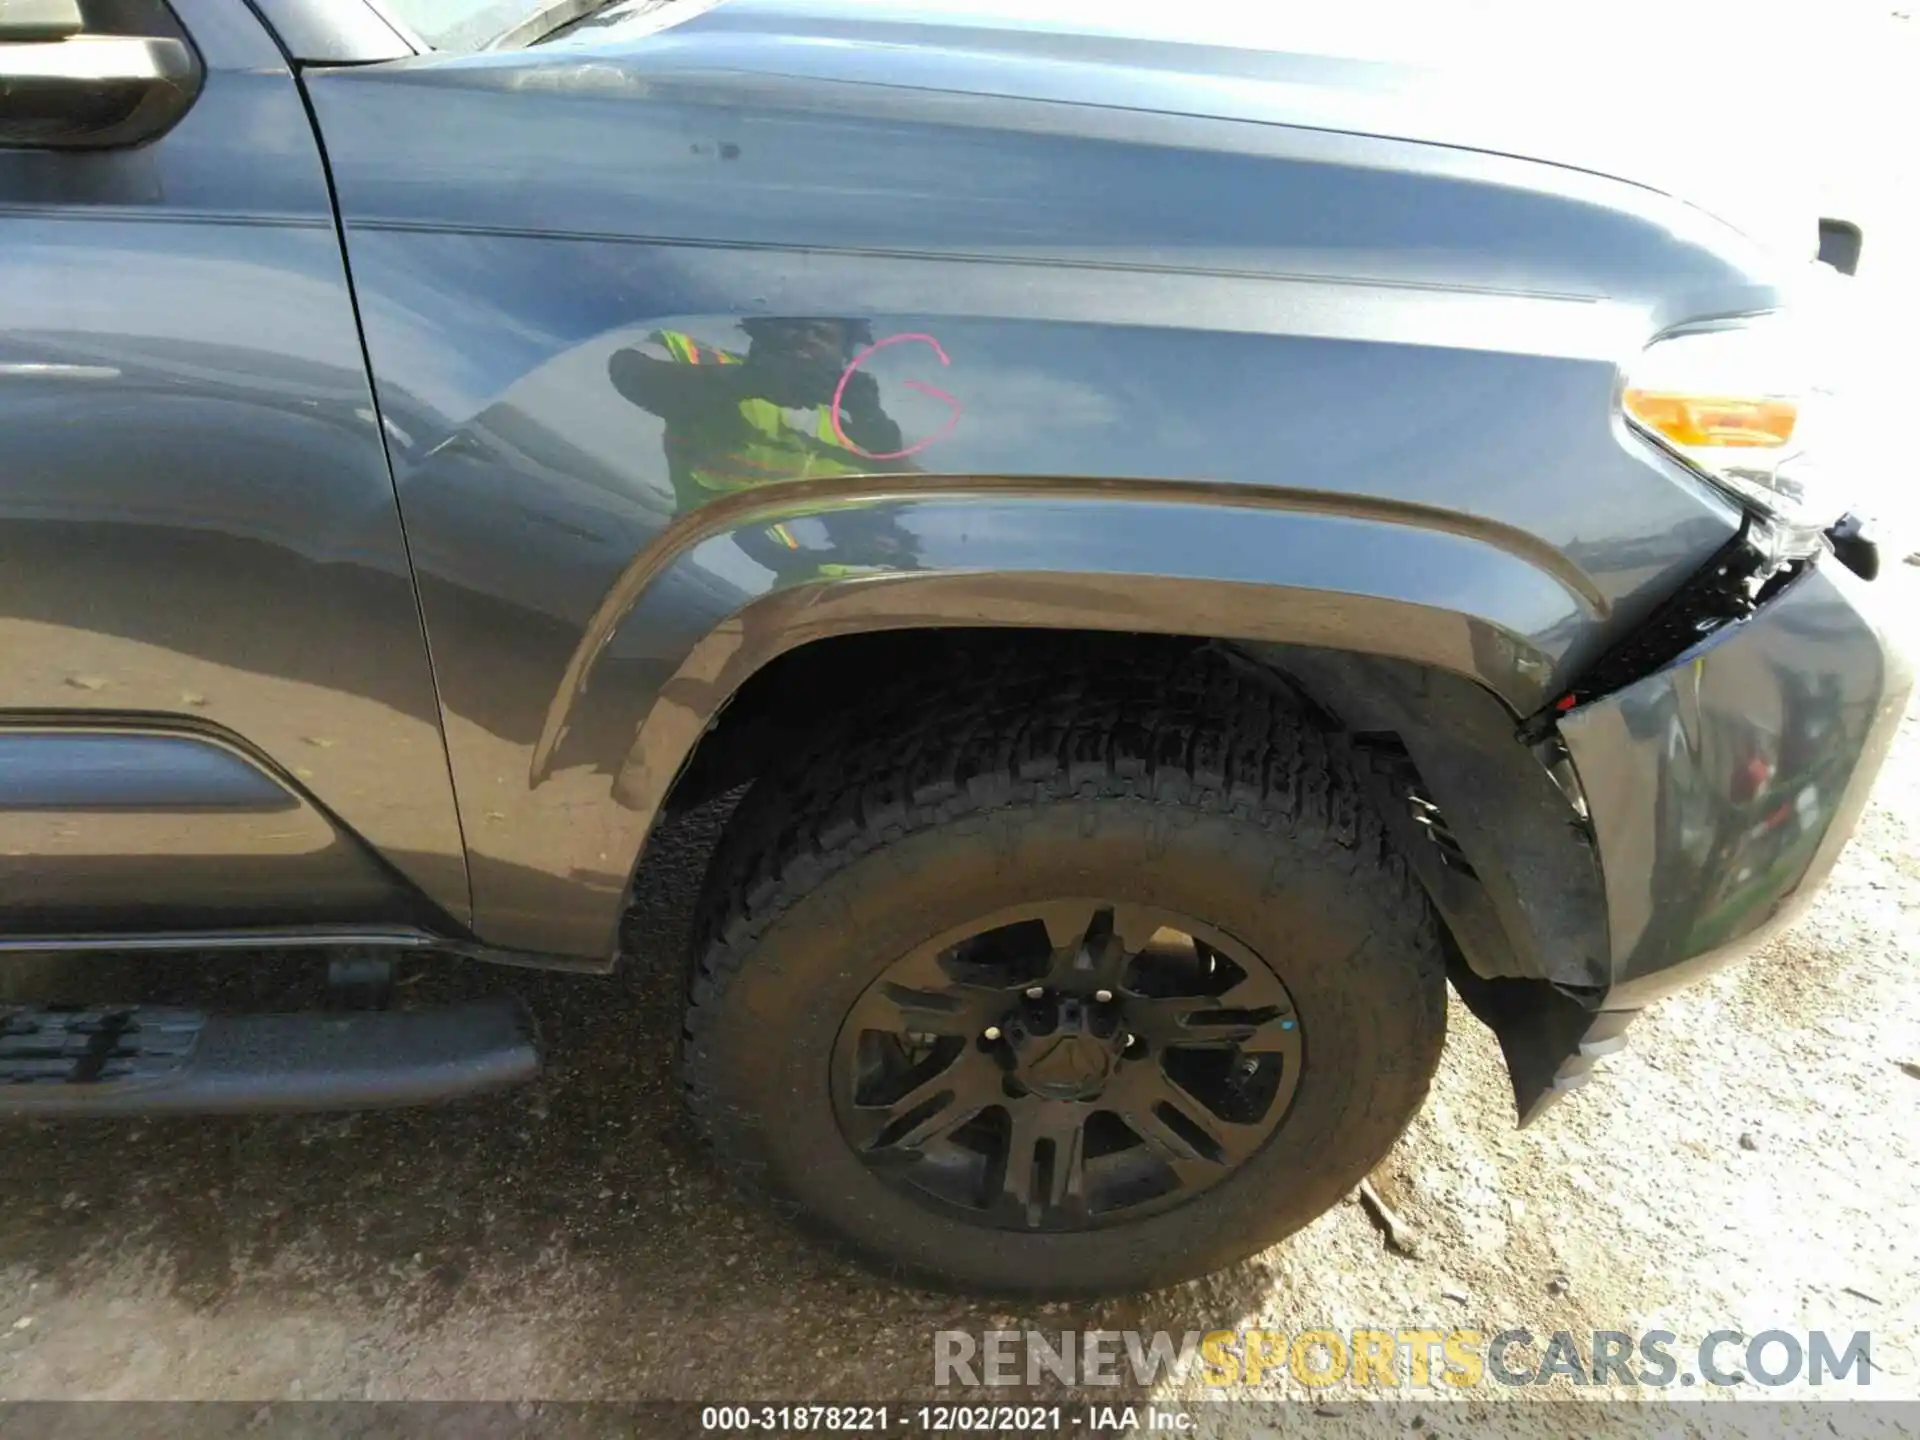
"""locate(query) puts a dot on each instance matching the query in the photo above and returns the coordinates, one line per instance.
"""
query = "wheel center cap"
(1065, 1067)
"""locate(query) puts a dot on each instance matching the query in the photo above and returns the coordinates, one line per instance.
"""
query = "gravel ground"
(1747, 1164)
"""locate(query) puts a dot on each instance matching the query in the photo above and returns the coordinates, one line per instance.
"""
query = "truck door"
(203, 576)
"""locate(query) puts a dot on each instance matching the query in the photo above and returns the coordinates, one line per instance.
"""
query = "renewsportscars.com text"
(1400, 1358)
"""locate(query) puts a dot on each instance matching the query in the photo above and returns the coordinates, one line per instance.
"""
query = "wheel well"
(807, 687)
(1493, 828)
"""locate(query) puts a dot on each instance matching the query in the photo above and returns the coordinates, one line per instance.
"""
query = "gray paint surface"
(1079, 327)
(1723, 788)
(196, 517)
(1390, 365)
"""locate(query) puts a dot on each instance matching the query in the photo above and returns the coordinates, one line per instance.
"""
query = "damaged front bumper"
(1663, 816)
(1721, 787)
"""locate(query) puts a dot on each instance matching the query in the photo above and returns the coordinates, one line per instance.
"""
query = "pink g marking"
(840, 390)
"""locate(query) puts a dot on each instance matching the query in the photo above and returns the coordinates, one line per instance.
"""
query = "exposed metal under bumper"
(1605, 1032)
(1549, 1038)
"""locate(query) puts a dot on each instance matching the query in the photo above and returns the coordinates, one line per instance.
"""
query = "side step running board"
(148, 1060)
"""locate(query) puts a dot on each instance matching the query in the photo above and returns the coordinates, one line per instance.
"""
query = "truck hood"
(1511, 81)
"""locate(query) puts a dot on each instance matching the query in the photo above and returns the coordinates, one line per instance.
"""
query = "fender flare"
(1226, 562)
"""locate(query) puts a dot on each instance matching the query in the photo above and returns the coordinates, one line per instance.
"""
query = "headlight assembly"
(1736, 400)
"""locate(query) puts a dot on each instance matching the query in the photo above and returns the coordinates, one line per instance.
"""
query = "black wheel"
(1090, 977)
(1066, 1065)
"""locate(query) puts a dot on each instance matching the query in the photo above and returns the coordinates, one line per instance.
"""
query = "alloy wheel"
(1067, 1065)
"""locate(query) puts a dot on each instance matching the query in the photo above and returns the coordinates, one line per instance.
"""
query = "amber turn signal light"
(1694, 421)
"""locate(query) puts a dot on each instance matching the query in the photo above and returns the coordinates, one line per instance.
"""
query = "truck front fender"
(1338, 390)
(696, 615)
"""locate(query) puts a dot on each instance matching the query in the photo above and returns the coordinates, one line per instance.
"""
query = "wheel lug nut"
(992, 1032)
(1103, 996)
(1036, 992)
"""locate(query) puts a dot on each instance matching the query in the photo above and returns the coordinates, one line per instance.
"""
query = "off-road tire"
(1159, 774)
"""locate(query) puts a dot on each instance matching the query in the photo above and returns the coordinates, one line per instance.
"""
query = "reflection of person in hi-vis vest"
(737, 422)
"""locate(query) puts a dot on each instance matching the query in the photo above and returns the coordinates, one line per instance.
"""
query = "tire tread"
(1178, 725)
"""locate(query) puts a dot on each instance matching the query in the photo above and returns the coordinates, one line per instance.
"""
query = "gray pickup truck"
(1173, 552)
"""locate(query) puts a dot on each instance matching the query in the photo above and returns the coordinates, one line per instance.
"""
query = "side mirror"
(66, 90)
(1840, 242)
